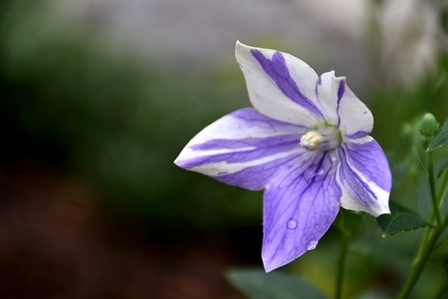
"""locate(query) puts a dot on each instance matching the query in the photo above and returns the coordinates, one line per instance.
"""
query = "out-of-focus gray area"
(202, 34)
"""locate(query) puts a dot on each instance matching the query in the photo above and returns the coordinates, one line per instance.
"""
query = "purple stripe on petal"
(244, 139)
(361, 191)
(256, 177)
(250, 142)
(256, 118)
(354, 114)
(341, 91)
(278, 71)
(297, 212)
(250, 149)
(369, 159)
(315, 171)
(316, 89)
(358, 134)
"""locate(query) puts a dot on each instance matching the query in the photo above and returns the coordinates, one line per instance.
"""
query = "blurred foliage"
(118, 121)
(258, 284)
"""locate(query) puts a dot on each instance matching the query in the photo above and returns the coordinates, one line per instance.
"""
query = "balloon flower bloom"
(305, 142)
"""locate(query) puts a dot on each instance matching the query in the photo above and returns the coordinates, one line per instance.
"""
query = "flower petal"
(243, 148)
(300, 204)
(365, 176)
(355, 119)
(280, 85)
(329, 91)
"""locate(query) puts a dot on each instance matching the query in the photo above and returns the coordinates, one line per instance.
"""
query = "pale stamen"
(311, 141)
(323, 138)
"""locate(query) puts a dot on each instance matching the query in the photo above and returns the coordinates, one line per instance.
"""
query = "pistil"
(324, 137)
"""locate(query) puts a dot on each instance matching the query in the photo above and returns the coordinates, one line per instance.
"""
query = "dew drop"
(311, 245)
(292, 223)
(315, 177)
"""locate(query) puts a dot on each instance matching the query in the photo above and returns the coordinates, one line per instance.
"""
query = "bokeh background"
(98, 97)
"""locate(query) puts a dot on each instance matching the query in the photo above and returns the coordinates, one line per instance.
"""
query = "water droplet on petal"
(319, 176)
(292, 224)
(311, 245)
(315, 176)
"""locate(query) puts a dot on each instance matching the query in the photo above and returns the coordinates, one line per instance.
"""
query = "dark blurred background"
(98, 97)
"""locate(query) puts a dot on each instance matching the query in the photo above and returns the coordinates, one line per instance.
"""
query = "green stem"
(441, 194)
(420, 262)
(431, 236)
(432, 186)
(341, 266)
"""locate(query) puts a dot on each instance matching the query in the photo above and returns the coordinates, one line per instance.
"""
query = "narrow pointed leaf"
(400, 220)
(257, 284)
(419, 160)
(440, 139)
(442, 169)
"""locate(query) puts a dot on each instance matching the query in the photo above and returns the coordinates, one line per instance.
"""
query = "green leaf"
(419, 159)
(440, 139)
(257, 284)
(442, 169)
(349, 222)
(400, 220)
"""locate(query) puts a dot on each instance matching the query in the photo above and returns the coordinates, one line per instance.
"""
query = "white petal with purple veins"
(280, 85)
(356, 120)
(365, 176)
(329, 91)
(306, 179)
(300, 204)
(243, 148)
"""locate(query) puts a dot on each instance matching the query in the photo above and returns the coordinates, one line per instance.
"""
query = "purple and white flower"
(306, 142)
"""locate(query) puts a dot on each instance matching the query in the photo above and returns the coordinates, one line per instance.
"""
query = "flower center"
(325, 137)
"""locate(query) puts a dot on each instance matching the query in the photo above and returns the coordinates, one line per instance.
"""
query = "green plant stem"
(420, 262)
(431, 235)
(441, 194)
(432, 187)
(341, 266)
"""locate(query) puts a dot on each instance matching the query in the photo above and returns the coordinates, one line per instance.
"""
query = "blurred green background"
(99, 97)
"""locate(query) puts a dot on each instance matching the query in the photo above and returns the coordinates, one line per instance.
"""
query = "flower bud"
(428, 128)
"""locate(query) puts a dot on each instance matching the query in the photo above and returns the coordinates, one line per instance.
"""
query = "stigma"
(325, 137)
(311, 141)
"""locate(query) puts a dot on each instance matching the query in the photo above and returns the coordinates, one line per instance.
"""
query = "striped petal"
(329, 92)
(355, 119)
(280, 85)
(244, 148)
(299, 207)
(342, 108)
(365, 176)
